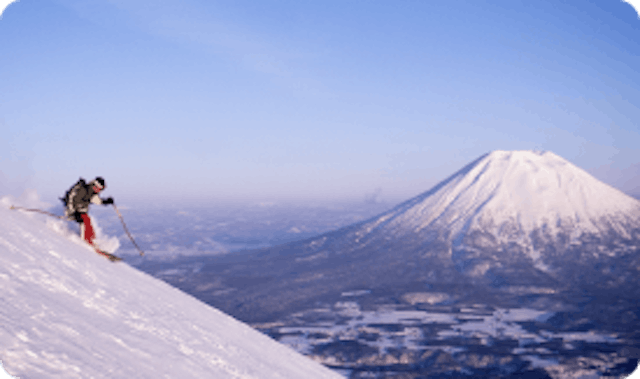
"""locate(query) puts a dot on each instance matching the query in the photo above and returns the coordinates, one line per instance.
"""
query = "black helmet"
(99, 181)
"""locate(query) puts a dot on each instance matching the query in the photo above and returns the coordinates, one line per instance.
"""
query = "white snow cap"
(66, 312)
(529, 189)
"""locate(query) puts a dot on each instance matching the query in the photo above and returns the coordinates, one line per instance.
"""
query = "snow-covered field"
(66, 312)
(380, 335)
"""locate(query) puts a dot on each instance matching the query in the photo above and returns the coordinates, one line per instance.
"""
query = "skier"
(77, 202)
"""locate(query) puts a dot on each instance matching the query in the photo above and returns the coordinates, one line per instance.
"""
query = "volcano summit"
(511, 194)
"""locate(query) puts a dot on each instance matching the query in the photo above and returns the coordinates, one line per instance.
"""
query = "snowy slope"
(66, 312)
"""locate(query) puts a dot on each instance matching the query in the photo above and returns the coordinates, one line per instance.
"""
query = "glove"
(77, 216)
(108, 200)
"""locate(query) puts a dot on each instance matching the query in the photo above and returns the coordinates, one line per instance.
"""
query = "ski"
(109, 256)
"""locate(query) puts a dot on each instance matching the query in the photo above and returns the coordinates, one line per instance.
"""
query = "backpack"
(67, 196)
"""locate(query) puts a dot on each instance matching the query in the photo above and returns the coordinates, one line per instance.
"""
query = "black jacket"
(80, 198)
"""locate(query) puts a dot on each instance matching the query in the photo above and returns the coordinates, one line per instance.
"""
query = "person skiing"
(77, 202)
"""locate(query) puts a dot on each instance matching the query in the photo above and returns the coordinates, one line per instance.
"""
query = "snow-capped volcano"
(511, 232)
(510, 220)
(66, 312)
(514, 204)
(511, 194)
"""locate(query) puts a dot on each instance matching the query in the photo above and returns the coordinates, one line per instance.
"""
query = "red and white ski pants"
(86, 229)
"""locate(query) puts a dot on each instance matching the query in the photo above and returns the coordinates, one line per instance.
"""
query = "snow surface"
(525, 189)
(66, 312)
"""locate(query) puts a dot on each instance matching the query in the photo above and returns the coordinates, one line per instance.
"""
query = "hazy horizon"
(375, 199)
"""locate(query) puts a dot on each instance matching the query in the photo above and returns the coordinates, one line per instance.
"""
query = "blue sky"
(220, 101)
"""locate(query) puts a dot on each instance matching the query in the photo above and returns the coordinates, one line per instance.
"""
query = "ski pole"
(36, 210)
(127, 230)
